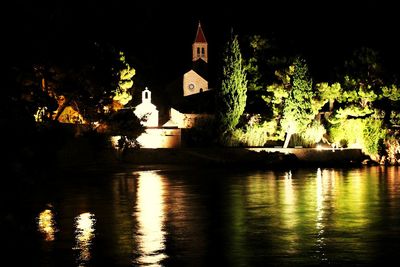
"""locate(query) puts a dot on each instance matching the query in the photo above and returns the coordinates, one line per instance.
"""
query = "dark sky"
(157, 35)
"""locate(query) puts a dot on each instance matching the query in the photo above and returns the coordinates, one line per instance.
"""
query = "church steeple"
(199, 47)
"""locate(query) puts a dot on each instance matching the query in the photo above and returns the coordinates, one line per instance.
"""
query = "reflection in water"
(46, 224)
(237, 225)
(289, 214)
(150, 215)
(320, 215)
(84, 234)
(311, 217)
(393, 180)
(123, 188)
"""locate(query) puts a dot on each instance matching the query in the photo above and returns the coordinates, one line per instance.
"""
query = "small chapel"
(154, 135)
(146, 111)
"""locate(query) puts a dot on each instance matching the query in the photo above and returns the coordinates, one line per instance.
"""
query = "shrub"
(313, 134)
(349, 131)
(374, 135)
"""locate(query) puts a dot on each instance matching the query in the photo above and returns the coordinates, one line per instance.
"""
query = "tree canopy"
(298, 110)
(232, 93)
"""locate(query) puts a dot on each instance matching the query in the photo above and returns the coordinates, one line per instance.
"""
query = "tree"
(122, 94)
(97, 82)
(366, 104)
(275, 97)
(258, 46)
(263, 57)
(232, 96)
(100, 85)
(90, 89)
(298, 111)
(327, 94)
(361, 85)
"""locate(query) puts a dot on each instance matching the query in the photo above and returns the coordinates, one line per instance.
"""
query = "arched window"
(202, 51)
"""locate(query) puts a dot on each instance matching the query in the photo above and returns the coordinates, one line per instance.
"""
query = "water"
(213, 217)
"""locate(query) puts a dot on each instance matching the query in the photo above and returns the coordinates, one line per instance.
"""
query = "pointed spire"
(200, 38)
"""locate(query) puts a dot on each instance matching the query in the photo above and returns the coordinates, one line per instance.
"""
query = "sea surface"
(183, 216)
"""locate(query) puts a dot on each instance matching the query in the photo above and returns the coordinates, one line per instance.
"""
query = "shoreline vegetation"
(31, 164)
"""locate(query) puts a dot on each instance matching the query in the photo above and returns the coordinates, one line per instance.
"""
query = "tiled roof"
(200, 38)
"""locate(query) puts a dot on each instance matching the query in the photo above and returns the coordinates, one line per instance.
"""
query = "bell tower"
(195, 80)
(199, 47)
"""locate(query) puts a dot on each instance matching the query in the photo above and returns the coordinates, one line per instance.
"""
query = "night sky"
(156, 35)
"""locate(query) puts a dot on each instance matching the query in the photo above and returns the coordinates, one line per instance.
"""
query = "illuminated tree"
(263, 59)
(258, 46)
(232, 94)
(278, 91)
(122, 94)
(98, 86)
(298, 111)
(361, 85)
(364, 104)
(86, 90)
(327, 94)
(275, 98)
(90, 88)
(268, 78)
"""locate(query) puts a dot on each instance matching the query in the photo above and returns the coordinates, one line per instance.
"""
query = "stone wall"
(324, 155)
(160, 138)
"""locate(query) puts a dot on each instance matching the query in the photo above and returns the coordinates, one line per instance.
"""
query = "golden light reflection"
(289, 197)
(84, 234)
(393, 180)
(151, 217)
(320, 226)
(289, 215)
(46, 224)
(325, 193)
(352, 203)
(320, 200)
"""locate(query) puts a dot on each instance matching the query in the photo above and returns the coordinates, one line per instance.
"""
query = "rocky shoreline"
(213, 157)
(243, 157)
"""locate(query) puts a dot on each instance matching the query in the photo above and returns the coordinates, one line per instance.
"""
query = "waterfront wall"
(81, 154)
(160, 138)
(321, 155)
(246, 156)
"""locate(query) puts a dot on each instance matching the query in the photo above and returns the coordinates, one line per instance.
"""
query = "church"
(189, 102)
(195, 80)
(190, 97)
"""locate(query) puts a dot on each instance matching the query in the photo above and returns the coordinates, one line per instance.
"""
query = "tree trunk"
(289, 133)
(331, 102)
(59, 112)
(287, 139)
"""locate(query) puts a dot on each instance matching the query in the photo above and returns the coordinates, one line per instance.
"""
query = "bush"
(313, 134)
(374, 134)
(393, 148)
(254, 134)
(202, 134)
(349, 131)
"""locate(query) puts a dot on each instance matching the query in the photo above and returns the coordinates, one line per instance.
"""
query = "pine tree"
(232, 96)
(298, 110)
